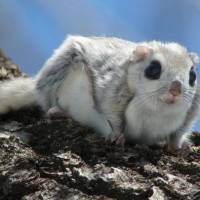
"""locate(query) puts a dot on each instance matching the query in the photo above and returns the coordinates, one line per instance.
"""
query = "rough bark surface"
(58, 159)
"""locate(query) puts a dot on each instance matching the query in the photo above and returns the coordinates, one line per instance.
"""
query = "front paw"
(182, 151)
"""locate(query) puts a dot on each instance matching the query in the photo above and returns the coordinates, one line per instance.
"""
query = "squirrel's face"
(163, 75)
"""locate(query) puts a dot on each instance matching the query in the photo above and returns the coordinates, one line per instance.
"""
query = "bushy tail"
(17, 93)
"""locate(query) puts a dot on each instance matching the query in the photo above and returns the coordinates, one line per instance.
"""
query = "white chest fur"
(148, 126)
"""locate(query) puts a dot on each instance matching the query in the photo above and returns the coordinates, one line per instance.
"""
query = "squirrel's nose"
(175, 88)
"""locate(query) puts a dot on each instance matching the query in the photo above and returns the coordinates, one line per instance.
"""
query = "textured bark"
(8, 69)
(59, 159)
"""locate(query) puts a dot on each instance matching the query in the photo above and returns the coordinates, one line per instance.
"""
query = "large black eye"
(153, 71)
(192, 77)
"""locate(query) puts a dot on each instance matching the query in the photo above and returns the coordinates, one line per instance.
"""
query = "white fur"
(17, 93)
(148, 118)
(148, 126)
(75, 98)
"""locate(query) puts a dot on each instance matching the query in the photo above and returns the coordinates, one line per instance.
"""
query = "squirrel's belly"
(76, 97)
(150, 127)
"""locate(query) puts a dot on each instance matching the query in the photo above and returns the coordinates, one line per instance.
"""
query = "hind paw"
(56, 112)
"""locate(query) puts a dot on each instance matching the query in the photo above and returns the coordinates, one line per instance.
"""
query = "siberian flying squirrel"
(146, 91)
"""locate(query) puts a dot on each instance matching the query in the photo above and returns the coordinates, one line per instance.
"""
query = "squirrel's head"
(163, 74)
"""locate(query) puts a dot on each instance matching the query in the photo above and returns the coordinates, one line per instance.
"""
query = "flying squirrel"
(147, 92)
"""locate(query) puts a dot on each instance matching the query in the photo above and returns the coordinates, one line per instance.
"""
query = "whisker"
(161, 89)
(189, 98)
(141, 101)
(186, 101)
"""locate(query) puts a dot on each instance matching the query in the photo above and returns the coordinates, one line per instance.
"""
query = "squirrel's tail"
(17, 93)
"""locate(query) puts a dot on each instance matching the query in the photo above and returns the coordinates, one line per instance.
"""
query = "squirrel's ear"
(142, 52)
(194, 57)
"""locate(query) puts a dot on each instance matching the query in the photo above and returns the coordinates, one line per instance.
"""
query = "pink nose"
(175, 88)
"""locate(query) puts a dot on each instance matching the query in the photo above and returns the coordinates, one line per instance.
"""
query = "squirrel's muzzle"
(173, 93)
(175, 88)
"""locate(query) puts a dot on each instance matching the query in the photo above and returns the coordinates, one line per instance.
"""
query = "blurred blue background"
(30, 30)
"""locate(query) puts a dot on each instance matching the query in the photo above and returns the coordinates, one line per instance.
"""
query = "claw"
(120, 140)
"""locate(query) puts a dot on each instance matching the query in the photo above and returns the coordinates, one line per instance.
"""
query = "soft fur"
(100, 83)
(17, 93)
